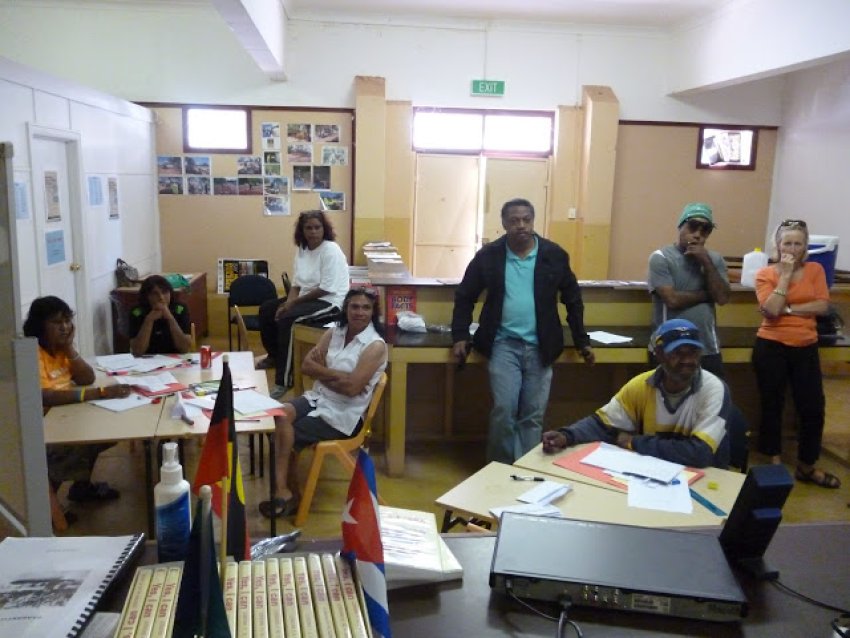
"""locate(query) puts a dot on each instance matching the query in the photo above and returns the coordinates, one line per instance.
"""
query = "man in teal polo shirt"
(520, 330)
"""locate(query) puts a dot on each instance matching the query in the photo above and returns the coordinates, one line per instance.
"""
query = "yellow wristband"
(781, 293)
(82, 394)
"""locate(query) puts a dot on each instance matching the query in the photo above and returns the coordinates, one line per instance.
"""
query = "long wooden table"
(588, 500)
(82, 423)
(415, 348)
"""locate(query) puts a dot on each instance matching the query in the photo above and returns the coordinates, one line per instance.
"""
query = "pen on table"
(247, 420)
(517, 477)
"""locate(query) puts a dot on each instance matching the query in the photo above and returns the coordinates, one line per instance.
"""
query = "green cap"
(696, 209)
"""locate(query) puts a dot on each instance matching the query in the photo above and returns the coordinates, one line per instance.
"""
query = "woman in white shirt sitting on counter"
(346, 365)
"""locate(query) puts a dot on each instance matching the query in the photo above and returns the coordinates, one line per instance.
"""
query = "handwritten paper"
(611, 457)
(673, 497)
(122, 405)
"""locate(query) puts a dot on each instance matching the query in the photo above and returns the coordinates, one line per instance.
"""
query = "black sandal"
(829, 481)
(279, 507)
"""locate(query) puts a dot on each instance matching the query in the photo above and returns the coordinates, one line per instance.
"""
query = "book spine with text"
(305, 601)
(231, 587)
(135, 601)
(243, 601)
(340, 619)
(351, 598)
(148, 613)
(289, 598)
(274, 604)
(258, 594)
(324, 619)
(164, 618)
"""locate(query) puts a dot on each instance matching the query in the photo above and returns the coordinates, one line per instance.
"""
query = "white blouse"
(323, 267)
(337, 410)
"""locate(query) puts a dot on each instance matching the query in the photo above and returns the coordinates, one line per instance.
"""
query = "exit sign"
(489, 88)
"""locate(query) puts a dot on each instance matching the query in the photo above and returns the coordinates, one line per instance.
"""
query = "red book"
(399, 299)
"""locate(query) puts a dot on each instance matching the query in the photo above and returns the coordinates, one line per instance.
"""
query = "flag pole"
(206, 528)
(225, 484)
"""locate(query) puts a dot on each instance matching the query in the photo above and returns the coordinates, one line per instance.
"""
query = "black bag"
(831, 324)
(125, 274)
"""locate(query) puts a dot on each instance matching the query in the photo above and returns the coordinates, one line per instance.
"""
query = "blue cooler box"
(824, 250)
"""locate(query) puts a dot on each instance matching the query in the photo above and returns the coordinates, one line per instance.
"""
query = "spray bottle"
(173, 512)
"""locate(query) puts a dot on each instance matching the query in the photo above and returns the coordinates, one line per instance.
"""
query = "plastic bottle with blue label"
(753, 262)
(173, 510)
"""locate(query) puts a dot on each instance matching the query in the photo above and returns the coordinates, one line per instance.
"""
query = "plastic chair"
(248, 290)
(342, 449)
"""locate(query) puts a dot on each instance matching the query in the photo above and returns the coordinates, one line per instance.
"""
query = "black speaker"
(755, 517)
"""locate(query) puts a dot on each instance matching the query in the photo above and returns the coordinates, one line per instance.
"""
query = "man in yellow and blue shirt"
(677, 412)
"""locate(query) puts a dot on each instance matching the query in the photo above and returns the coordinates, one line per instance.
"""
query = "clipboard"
(574, 462)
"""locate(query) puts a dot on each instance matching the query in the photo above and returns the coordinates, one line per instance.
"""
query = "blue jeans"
(520, 389)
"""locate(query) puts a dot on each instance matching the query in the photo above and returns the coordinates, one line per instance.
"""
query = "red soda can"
(206, 357)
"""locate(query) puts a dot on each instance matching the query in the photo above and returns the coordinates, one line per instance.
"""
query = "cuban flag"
(361, 542)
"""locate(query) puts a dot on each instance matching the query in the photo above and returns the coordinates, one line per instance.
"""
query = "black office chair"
(738, 431)
(247, 290)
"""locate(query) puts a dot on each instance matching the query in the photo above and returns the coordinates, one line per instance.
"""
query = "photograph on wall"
(276, 185)
(112, 189)
(54, 244)
(334, 155)
(271, 135)
(22, 209)
(95, 190)
(250, 185)
(332, 200)
(271, 143)
(230, 268)
(299, 153)
(225, 186)
(196, 185)
(321, 178)
(198, 165)
(271, 157)
(170, 185)
(249, 165)
(169, 164)
(273, 206)
(271, 169)
(298, 133)
(326, 133)
(302, 178)
(51, 196)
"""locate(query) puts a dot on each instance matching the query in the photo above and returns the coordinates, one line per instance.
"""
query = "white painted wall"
(185, 53)
(813, 154)
(117, 139)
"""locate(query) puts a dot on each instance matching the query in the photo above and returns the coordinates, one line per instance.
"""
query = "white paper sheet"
(544, 493)
(674, 497)
(115, 362)
(607, 337)
(534, 509)
(611, 457)
(152, 382)
(122, 405)
(252, 402)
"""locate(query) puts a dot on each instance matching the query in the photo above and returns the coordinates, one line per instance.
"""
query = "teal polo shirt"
(518, 316)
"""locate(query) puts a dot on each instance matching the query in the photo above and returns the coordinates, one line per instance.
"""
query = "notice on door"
(51, 196)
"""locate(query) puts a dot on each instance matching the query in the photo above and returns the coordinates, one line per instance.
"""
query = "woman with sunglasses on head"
(346, 365)
(791, 293)
(318, 287)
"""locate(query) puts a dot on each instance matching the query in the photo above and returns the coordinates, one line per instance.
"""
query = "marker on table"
(517, 477)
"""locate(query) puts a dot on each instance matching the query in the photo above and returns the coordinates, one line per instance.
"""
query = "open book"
(414, 552)
(50, 586)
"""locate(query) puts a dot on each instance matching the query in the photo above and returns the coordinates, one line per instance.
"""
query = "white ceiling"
(634, 13)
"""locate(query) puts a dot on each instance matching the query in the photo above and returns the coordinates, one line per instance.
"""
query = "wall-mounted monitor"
(729, 147)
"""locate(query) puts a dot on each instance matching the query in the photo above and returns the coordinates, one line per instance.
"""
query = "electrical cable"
(564, 620)
(793, 592)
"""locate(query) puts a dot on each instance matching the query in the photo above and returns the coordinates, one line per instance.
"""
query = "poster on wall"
(271, 135)
(112, 187)
(95, 190)
(54, 244)
(22, 209)
(326, 133)
(197, 185)
(198, 165)
(302, 178)
(334, 155)
(321, 178)
(274, 206)
(170, 186)
(332, 200)
(298, 133)
(271, 162)
(225, 186)
(229, 268)
(51, 196)
(169, 164)
(249, 165)
(299, 153)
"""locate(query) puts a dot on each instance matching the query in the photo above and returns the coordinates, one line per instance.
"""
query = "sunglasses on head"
(674, 334)
(696, 224)
(368, 292)
(790, 223)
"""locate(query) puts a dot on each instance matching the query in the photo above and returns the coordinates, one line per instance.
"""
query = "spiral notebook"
(51, 586)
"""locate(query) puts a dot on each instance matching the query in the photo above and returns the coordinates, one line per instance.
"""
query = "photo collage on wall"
(267, 174)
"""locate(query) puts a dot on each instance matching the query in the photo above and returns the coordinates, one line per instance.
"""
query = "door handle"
(74, 266)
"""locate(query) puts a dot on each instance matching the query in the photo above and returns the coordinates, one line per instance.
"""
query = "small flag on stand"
(219, 467)
(361, 542)
(200, 604)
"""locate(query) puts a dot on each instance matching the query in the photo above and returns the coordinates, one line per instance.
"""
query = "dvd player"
(606, 566)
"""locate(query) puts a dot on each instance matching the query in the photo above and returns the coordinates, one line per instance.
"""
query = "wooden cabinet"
(126, 298)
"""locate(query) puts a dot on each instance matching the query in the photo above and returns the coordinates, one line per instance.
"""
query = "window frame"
(724, 166)
(187, 148)
(481, 152)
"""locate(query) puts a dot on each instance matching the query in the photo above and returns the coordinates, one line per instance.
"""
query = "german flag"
(220, 461)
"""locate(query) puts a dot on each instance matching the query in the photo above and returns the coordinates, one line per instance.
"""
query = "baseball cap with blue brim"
(674, 333)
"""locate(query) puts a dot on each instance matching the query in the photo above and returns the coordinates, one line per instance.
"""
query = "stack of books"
(384, 260)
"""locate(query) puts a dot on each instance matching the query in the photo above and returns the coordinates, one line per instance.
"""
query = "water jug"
(753, 261)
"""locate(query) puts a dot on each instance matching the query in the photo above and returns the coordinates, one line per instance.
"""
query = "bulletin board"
(218, 205)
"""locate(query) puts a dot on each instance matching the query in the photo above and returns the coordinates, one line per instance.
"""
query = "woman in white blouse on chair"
(346, 365)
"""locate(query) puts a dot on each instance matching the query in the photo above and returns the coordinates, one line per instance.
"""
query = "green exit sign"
(489, 88)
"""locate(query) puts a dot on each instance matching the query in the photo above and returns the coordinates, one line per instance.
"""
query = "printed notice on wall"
(51, 196)
(54, 243)
(112, 187)
(95, 191)
(22, 210)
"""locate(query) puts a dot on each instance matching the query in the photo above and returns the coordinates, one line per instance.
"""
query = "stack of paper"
(537, 501)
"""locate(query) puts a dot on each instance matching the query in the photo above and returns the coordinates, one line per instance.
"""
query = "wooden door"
(507, 179)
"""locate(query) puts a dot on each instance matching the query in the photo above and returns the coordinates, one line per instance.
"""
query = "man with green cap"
(686, 280)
